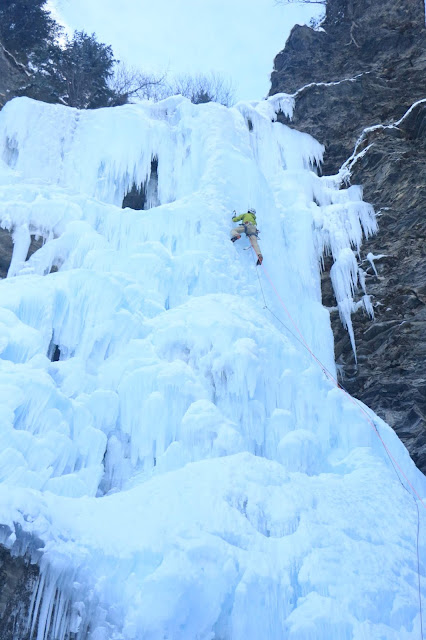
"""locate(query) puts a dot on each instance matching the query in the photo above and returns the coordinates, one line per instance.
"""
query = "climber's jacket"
(246, 218)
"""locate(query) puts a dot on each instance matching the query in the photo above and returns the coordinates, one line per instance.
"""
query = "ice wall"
(187, 466)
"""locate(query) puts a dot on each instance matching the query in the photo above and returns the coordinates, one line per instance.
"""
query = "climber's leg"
(236, 233)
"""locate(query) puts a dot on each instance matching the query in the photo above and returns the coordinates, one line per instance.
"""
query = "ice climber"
(248, 227)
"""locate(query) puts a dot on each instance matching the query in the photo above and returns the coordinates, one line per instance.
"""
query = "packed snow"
(172, 457)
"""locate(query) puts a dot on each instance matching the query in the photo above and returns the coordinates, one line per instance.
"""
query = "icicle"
(21, 244)
(183, 452)
(371, 258)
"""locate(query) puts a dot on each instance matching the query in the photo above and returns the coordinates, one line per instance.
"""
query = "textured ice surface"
(182, 466)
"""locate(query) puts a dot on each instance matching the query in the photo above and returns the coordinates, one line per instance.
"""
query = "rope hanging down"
(330, 376)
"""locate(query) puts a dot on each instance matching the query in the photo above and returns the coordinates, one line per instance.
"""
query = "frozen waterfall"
(171, 456)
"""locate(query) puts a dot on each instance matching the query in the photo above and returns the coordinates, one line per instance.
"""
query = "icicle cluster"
(182, 466)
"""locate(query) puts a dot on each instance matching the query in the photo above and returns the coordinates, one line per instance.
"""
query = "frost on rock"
(371, 258)
(181, 465)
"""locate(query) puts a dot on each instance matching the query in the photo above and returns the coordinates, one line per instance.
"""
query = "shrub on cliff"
(204, 87)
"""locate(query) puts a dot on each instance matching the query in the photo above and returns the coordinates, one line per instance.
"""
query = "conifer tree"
(25, 25)
(82, 70)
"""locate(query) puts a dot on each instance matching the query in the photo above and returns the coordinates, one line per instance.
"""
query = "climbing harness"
(413, 494)
(248, 232)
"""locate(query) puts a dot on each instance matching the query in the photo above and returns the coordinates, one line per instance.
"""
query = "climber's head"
(253, 211)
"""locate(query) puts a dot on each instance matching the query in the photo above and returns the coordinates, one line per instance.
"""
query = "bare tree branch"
(130, 82)
(199, 88)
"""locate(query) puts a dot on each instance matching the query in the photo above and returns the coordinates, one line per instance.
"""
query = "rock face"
(17, 582)
(367, 68)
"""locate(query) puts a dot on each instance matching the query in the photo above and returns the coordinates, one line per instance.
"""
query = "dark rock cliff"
(365, 68)
(18, 579)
